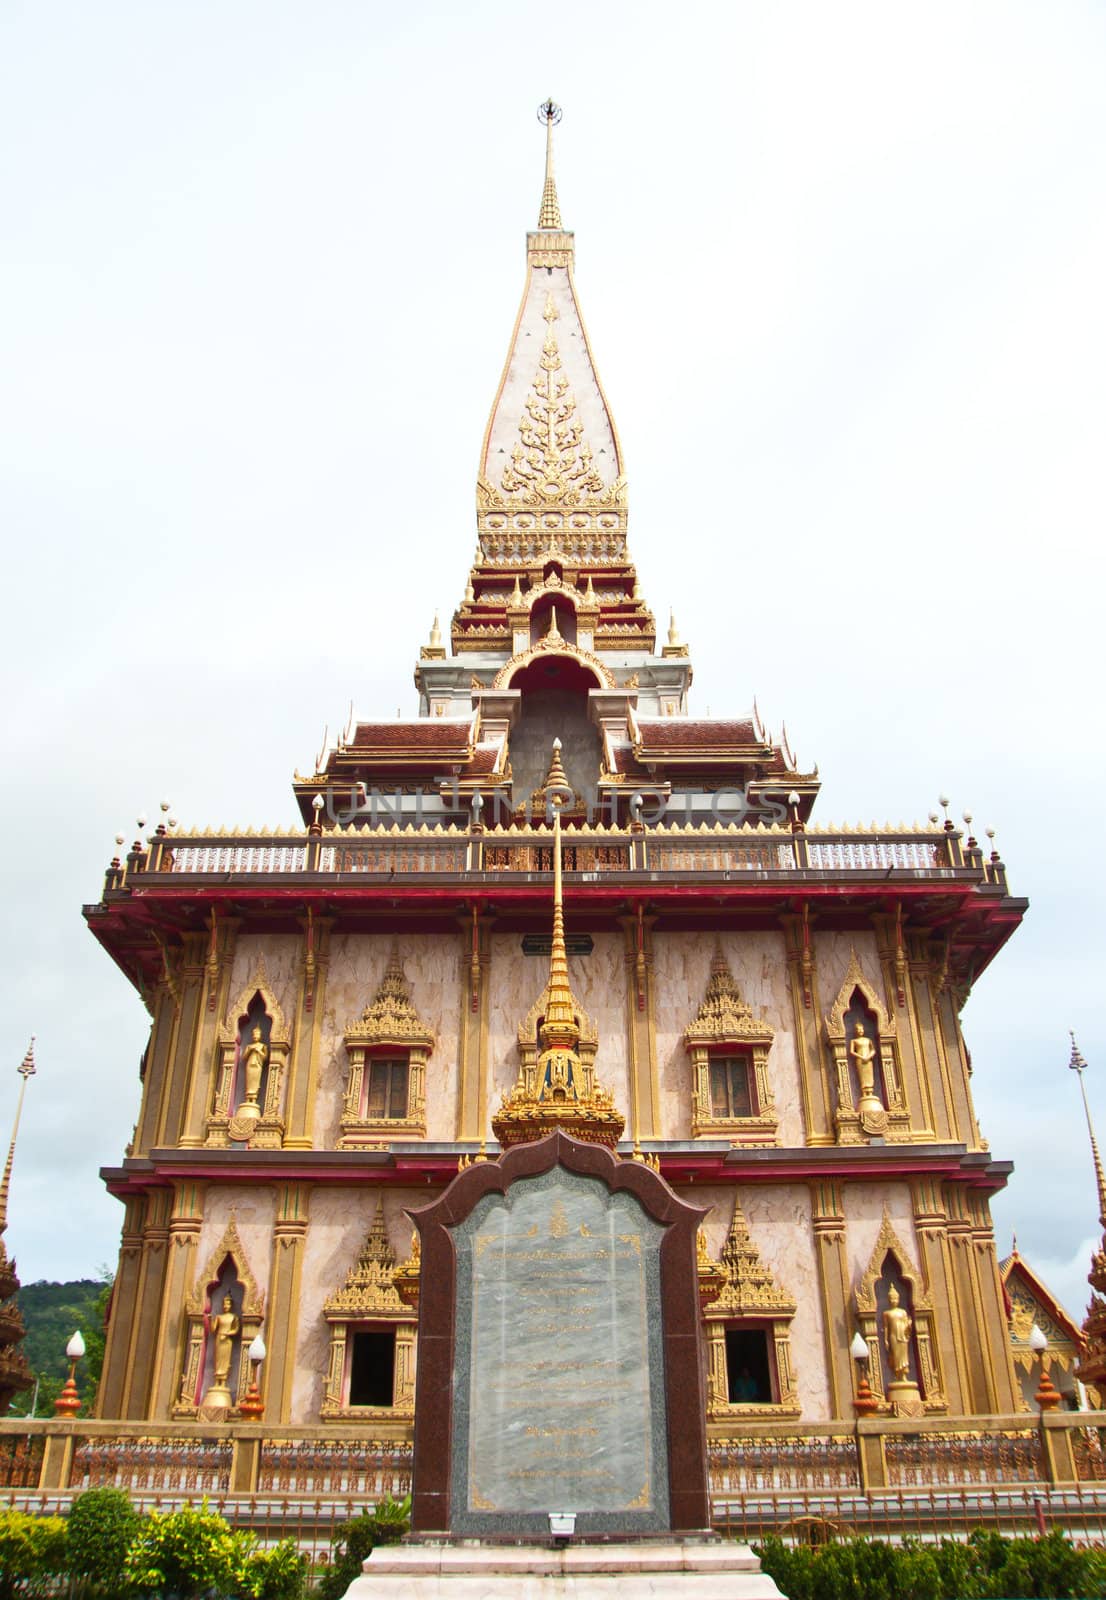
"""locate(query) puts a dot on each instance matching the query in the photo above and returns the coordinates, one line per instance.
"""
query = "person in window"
(745, 1388)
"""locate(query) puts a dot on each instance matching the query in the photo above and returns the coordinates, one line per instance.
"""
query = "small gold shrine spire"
(558, 1090)
(560, 1027)
(550, 215)
(26, 1069)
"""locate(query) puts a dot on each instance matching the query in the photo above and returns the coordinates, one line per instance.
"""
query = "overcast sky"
(844, 270)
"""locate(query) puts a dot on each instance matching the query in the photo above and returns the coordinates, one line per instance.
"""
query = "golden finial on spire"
(26, 1069)
(550, 215)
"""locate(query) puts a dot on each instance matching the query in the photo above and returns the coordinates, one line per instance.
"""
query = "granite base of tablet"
(677, 1569)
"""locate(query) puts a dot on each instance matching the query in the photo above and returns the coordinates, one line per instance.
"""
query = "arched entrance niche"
(542, 619)
(554, 705)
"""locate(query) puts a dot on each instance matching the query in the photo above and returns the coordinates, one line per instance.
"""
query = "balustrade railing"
(922, 1460)
(310, 1466)
(188, 1464)
(446, 850)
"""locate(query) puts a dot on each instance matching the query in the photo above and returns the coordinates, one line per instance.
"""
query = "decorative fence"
(887, 1477)
(446, 850)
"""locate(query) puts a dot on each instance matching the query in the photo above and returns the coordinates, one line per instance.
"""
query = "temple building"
(555, 895)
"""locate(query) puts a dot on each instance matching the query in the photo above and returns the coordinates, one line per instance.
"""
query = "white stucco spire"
(550, 438)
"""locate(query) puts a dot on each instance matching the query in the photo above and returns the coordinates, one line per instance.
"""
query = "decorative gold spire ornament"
(26, 1069)
(559, 1090)
(550, 214)
(1091, 1368)
(15, 1374)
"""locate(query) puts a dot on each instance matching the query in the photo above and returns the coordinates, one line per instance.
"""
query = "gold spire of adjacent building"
(26, 1069)
(1079, 1067)
(550, 214)
(559, 1090)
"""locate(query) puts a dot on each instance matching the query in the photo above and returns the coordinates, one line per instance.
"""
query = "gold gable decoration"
(887, 1243)
(369, 1290)
(369, 1296)
(552, 463)
(725, 1025)
(250, 1317)
(390, 1018)
(748, 1292)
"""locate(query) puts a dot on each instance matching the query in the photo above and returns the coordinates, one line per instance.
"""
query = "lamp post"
(1047, 1396)
(865, 1403)
(68, 1402)
(252, 1408)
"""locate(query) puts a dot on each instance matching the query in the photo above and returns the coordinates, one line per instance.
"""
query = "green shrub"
(353, 1547)
(101, 1526)
(391, 1519)
(985, 1567)
(274, 1574)
(187, 1553)
(33, 1553)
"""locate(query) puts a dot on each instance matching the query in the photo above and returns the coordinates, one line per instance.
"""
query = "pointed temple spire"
(550, 215)
(1091, 1367)
(1079, 1067)
(26, 1069)
(559, 1089)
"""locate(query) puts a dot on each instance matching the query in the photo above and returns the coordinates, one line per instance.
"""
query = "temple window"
(730, 1090)
(387, 1049)
(372, 1366)
(387, 1089)
(731, 1093)
(750, 1379)
(747, 1319)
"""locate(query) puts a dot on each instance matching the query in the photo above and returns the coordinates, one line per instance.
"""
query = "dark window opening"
(388, 1089)
(373, 1368)
(748, 1367)
(730, 1091)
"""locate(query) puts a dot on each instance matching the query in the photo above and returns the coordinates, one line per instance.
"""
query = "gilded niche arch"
(869, 1300)
(552, 644)
(748, 1304)
(369, 1304)
(388, 1047)
(731, 1094)
(227, 1271)
(234, 1116)
(871, 1098)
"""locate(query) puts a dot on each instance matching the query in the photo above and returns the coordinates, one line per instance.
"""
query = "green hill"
(52, 1312)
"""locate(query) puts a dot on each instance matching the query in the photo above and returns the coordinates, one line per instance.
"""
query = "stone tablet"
(559, 1396)
(559, 1354)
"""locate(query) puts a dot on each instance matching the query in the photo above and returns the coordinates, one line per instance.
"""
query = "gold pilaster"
(146, 1307)
(992, 1302)
(802, 981)
(159, 1053)
(476, 965)
(932, 1233)
(221, 942)
(982, 1395)
(116, 1372)
(828, 1223)
(301, 1093)
(282, 1320)
(190, 981)
(185, 1221)
(641, 1036)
